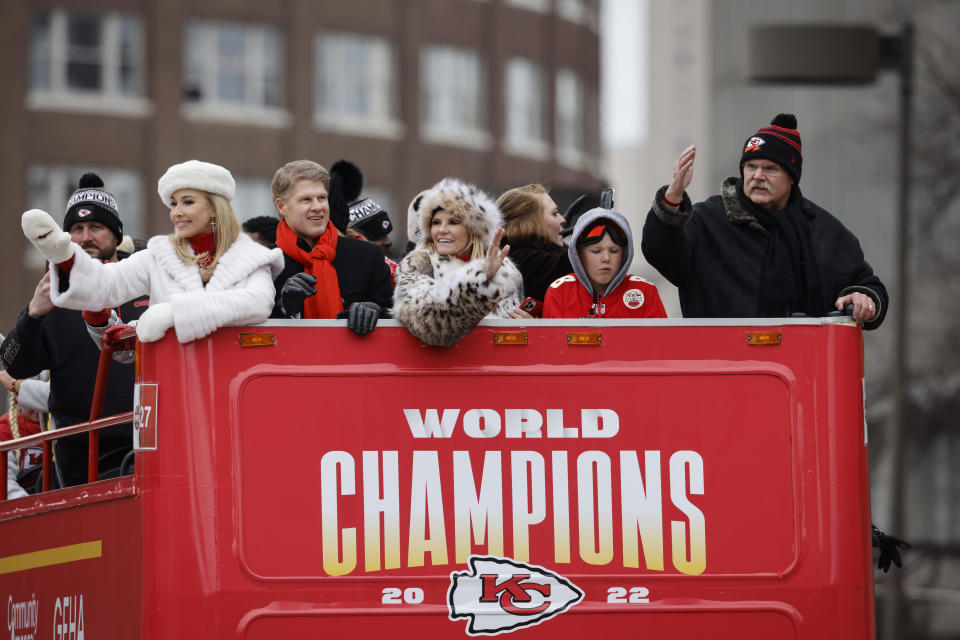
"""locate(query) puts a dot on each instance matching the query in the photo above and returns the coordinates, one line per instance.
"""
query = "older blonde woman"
(203, 276)
(457, 274)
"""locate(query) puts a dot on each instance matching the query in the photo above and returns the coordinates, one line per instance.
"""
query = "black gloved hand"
(574, 211)
(363, 317)
(295, 290)
(888, 549)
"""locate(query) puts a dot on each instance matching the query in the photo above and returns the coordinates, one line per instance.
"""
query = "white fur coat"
(441, 299)
(239, 293)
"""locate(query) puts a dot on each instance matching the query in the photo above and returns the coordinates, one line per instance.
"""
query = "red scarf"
(204, 243)
(319, 264)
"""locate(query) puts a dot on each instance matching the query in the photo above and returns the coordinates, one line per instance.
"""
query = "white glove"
(155, 321)
(46, 235)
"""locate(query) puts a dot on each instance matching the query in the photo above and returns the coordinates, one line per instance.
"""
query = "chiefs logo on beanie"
(368, 217)
(779, 142)
(91, 203)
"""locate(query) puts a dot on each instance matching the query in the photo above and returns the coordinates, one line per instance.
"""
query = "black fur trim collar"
(738, 214)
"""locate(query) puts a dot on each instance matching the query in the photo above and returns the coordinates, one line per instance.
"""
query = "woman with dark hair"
(533, 223)
(601, 250)
(203, 276)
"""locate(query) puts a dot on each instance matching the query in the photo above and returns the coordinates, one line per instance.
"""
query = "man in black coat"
(759, 248)
(47, 337)
(325, 275)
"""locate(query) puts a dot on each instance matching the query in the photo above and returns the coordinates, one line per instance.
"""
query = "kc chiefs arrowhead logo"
(754, 144)
(499, 595)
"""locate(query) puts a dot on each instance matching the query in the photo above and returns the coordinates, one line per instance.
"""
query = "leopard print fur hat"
(476, 209)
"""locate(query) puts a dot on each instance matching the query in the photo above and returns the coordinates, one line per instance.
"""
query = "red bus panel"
(674, 480)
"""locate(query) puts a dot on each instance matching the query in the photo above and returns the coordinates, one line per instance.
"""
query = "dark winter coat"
(714, 253)
(59, 342)
(540, 265)
(362, 274)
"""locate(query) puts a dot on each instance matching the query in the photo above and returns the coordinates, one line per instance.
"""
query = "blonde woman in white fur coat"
(457, 274)
(205, 275)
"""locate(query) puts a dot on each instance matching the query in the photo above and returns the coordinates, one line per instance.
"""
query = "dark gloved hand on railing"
(888, 546)
(362, 317)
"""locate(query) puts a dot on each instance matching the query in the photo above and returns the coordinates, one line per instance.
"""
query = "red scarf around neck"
(318, 263)
(204, 243)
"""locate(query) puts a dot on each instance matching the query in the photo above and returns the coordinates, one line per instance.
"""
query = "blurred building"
(498, 92)
(694, 71)
(691, 65)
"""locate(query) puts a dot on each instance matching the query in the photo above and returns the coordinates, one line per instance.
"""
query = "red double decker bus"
(680, 479)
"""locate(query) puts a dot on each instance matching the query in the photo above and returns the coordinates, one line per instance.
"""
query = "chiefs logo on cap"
(754, 144)
(83, 213)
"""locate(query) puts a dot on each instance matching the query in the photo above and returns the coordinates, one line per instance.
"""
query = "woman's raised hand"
(46, 235)
(682, 174)
(495, 255)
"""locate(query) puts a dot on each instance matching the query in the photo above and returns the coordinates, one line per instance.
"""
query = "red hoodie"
(633, 298)
(571, 296)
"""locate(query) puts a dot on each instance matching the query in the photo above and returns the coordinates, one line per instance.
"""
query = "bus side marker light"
(764, 338)
(585, 339)
(257, 340)
(510, 337)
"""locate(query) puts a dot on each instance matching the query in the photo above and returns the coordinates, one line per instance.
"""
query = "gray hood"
(585, 221)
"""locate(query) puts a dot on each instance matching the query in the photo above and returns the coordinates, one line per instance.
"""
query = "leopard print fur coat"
(440, 299)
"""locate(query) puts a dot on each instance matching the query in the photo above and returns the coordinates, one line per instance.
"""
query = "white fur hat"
(477, 210)
(194, 174)
(414, 233)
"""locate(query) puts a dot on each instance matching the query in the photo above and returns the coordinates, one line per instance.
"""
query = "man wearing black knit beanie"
(49, 337)
(759, 248)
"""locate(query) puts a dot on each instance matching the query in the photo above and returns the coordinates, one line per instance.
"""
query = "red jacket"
(634, 298)
(30, 456)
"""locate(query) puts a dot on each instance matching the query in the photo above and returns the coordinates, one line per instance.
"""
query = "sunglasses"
(595, 233)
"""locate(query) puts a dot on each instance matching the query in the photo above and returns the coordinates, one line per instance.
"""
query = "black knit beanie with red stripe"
(779, 142)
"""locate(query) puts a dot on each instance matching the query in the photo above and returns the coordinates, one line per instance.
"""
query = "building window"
(453, 97)
(540, 6)
(234, 72)
(525, 90)
(570, 118)
(50, 186)
(355, 88)
(253, 198)
(87, 62)
(584, 12)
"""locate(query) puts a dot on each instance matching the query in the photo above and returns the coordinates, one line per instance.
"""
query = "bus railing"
(117, 338)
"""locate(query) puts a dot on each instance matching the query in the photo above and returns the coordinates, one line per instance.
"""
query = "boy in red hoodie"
(601, 250)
